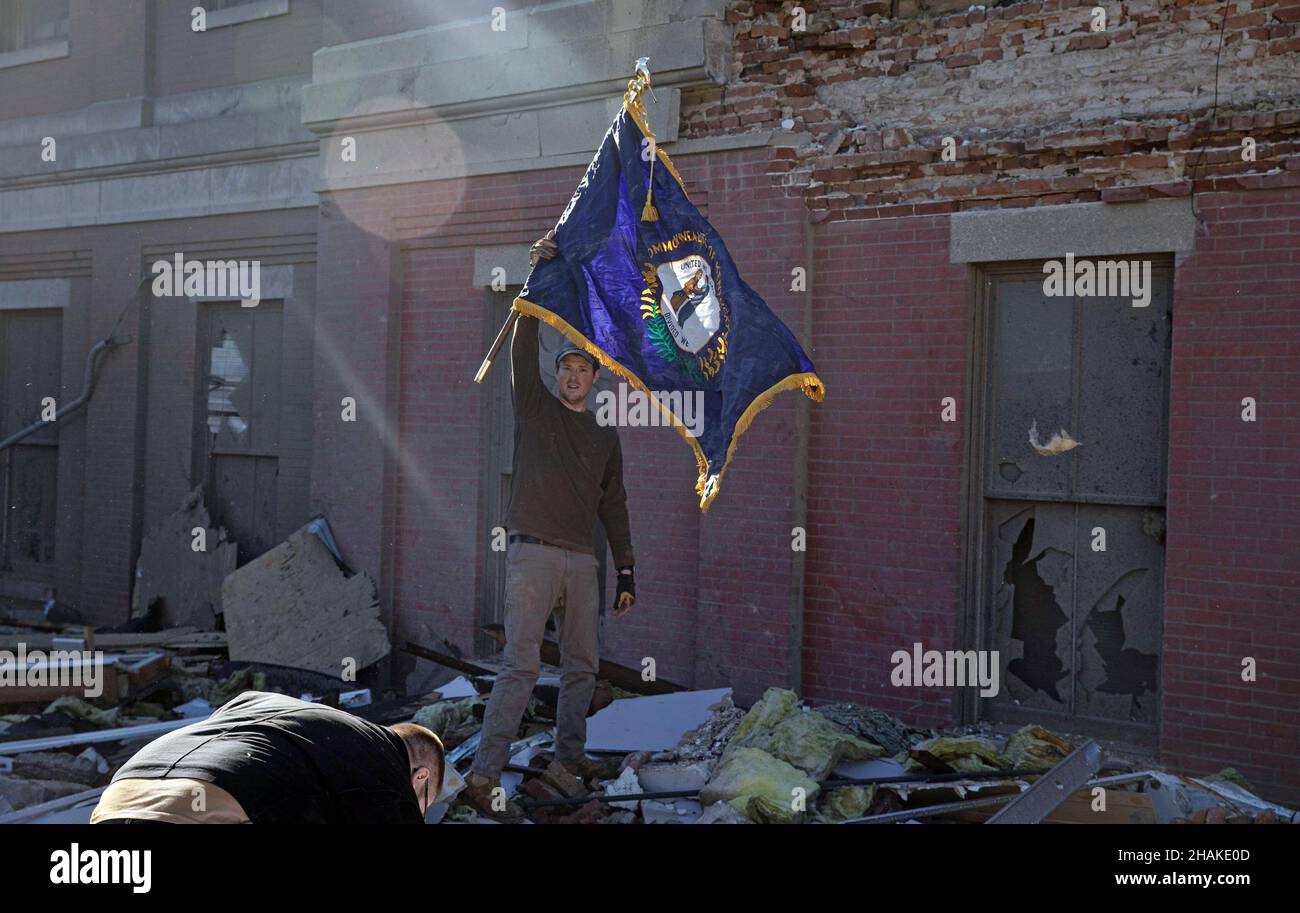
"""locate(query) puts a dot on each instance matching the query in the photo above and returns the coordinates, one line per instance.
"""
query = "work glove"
(626, 594)
(542, 249)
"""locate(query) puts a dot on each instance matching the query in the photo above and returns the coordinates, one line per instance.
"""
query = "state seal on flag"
(684, 305)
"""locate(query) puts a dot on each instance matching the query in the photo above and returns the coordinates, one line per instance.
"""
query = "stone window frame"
(253, 11)
(50, 50)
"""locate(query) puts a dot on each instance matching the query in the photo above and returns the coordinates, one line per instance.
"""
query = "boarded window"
(31, 345)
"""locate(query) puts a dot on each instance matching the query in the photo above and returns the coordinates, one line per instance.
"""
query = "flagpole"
(496, 346)
(640, 82)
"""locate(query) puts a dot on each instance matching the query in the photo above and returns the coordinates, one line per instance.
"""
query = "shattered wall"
(1043, 110)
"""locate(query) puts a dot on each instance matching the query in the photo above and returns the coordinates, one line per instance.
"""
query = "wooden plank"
(1122, 807)
(173, 637)
(113, 683)
(620, 676)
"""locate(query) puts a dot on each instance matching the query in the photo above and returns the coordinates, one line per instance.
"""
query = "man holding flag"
(639, 283)
(568, 470)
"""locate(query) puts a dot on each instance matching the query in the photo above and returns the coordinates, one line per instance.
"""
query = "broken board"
(294, 607)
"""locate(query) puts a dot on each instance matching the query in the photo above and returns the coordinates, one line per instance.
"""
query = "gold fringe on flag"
(707, 486)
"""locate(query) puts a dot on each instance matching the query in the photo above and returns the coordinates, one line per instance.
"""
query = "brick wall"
(1233, 577)
(1041, 109)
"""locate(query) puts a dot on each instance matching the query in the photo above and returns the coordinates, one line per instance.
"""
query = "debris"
(1034, 746)
(358, 698)
(679, 811)
(759, 785)
(64, 768)
(243, 680)
(1052, 788)
(195, 708)
(1243, 801)
(710, 738)
(51, 812)
(120, 734)
(295, 607)
(447, 659)
(1230, 775)
(651, 723)
(80, 709)
(779, 726)
(721, 813)
(624, 677)
(684, 775)
(457, 687)
(966, 753)
(22, 792)
(859, 770)
(184, 582)
(444, 716)
(845, 802)
(1060, 442)
(627, 784)
(569, 786)
(875, 726)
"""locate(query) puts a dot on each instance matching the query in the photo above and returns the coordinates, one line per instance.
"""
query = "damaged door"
(241, 355)
(31, 344)
(1072, 502)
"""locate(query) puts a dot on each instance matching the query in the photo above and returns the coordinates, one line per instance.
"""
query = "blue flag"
(644, 282)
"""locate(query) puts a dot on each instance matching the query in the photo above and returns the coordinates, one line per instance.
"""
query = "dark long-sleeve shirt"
(568, 469)
(287, 761)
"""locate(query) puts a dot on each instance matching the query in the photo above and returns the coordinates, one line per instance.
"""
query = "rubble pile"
(658, 753)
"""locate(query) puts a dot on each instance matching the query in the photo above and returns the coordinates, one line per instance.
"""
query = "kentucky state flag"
(660, 302)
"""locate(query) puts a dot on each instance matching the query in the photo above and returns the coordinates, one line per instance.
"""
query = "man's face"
(573, 380)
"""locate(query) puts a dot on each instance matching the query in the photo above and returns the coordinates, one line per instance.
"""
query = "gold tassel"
(648, 212)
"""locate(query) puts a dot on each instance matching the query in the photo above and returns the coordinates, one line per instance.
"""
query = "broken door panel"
(1031, 384)
(1123, 379)
(1119, 617)
(1077, 630)
(1033, 603)
(244, 373)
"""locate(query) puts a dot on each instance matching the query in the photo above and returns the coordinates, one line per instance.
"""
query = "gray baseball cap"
(570, 349)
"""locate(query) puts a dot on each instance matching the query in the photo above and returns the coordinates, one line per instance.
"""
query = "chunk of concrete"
(294, 606)
(663, 778)
(627, 784)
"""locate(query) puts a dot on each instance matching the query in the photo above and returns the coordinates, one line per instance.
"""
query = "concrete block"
(555, 23)
(19, 294)
(1084, 229)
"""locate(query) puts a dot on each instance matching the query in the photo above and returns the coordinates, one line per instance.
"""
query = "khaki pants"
(540, 578)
